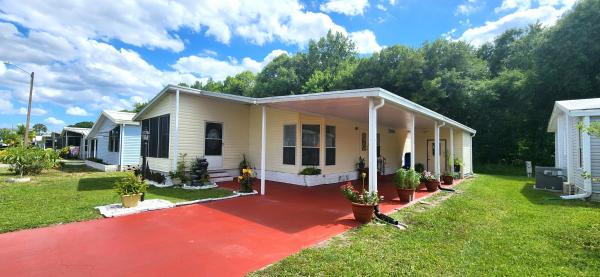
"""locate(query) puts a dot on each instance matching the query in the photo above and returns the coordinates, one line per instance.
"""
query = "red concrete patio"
(224, 238)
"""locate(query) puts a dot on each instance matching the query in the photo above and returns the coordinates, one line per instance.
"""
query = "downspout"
(176, 132)
(121, 147)
(471, 156)
(587, 164)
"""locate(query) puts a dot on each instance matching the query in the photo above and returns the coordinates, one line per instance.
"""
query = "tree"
(40, 128)
(240, 84)
(83, 124)
(137, 107)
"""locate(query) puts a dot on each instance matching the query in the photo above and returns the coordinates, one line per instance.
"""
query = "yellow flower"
(249, 171)
(245, 171)
(364, 175)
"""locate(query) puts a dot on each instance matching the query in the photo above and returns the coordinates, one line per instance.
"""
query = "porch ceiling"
(357, 109)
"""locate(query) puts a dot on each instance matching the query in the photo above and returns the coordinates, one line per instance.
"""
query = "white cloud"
(365, 40)
(2, 68)
(205, 67)
(546, 15)
(514, 4)
(154, 24)
(393, 2)
(77, 111)
(468, 7)
(347, 7)
(381, 7)
(54, 121)
(34, 111)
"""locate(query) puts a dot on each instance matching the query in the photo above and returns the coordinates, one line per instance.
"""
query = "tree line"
(504, 89)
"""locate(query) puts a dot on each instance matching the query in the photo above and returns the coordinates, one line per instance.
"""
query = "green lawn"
(498, 225)
(61, 196)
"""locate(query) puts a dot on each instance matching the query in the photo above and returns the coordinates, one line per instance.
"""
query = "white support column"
(413, 154)
(569, 151)
(586, 154)
(451, 149)
(436, 150)
(263, 150)
(176, 131)
(372, 146)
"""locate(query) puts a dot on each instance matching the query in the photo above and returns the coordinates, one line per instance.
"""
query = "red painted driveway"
(224, 238)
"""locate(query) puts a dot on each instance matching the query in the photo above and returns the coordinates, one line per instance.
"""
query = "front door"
(213, 145)
(431, 157)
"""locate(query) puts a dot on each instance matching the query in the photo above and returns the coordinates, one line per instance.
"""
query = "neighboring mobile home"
(114, 141)
(577, 152)
(73, 137)
(282, 135)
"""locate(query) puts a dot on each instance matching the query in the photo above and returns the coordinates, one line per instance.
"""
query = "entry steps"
(220, 176)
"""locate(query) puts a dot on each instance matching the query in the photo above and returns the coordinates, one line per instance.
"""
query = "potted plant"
(178, 176)
(130, 188)
(448, 177)
(311, 176)
(363, 203)
(361, 167)
(406, 182)
(246, 180)
(244, 164)
(431, 181)
(458, 165)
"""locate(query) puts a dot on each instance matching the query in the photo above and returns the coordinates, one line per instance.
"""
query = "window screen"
(289, 144)
(310, 144)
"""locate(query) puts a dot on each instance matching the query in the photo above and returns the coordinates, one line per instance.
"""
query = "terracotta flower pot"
(448, 180)
(406, 195)
(363, 213)
(432, 185)
(130, 201)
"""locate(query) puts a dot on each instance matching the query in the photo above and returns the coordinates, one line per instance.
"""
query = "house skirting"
(102, 167)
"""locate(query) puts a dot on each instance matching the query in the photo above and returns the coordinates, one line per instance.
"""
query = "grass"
(70, 194)
(498, 225)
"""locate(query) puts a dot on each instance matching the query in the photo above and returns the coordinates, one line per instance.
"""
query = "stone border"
(18, 180)
(159, 204)
(199, 187)
(102, 167)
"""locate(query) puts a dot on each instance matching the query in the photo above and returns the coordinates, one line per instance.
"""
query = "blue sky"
(88, 57)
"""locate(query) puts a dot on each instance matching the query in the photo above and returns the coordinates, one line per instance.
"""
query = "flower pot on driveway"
(130, 201)
(406, 195)
(432, 185)
(363, 213)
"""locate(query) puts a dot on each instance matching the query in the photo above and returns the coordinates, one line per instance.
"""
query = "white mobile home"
(576, 151)
(282, 135)
(115, 141)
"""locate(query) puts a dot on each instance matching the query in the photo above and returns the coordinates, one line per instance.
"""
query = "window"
(329, 145)
(158, 141)
(114, 137)
(310, 144)
(289, 144)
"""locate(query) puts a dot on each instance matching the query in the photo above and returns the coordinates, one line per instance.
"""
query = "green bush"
(407, 179)
(65, 152)
(310, 171)
(25, 160)
(130, 184)
(419, 168)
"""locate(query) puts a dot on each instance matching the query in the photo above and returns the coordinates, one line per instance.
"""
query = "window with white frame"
(114, 137)
(289, 144)
(311, 139)
(329, 145)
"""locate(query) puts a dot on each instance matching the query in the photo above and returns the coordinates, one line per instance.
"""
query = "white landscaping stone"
(113, 210)
(245, 193)
(152, 183)
(18, 180)
(199, 187)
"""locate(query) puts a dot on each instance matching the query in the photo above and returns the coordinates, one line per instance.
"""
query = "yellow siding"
(165, 105)
(195, 111)
(348, 141)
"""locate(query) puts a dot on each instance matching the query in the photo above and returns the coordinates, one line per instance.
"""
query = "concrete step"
(222, 179)
(216, 174)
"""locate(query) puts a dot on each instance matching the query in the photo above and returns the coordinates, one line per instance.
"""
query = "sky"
(88, 56)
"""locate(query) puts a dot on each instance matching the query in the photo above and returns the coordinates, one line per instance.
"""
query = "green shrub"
(130, 184)
(65, 152)
(419, 168)
(25, 160)
(407, 179)
(310, 171)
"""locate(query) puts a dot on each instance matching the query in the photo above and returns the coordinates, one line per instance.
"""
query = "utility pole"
(31, 75)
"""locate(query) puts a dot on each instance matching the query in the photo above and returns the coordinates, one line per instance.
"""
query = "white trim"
(585, 112)
(175, 132)
(356, 93)
(263, 149)
(570, 167)
(373, 143)
(121, 136)
(436, 149)
(587, 155)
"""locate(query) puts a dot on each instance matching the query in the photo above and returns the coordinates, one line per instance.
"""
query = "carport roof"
(344, 104)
